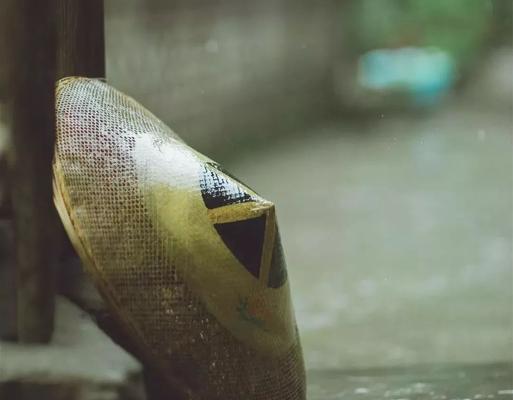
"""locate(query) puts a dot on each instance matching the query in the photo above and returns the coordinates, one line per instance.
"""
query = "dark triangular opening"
(278, 269)
(245, 239)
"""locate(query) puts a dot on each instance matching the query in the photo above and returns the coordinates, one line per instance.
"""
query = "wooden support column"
(8, 328)
(81, 50)
(42, 42)
(33, 49)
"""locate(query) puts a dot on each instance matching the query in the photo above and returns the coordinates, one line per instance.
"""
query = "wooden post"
(81, 50)
(33, 33)
(50, 40)
(8, 328)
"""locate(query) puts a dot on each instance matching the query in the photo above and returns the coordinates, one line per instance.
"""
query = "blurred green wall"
(224, 73)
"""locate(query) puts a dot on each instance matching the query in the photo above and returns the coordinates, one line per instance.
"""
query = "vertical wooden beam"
(8, 328)
(81, 50)
(33, 31)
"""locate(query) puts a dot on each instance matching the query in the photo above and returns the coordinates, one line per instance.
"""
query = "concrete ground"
(434, 382)
(80, 364)
(398, 237)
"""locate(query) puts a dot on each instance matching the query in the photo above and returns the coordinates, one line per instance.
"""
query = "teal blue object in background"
(424, 73)
(417, 47)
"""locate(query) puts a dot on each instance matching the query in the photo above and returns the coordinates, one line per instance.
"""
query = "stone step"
(81, 363)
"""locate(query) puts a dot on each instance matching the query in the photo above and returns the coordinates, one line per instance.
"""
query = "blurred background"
(382, 130)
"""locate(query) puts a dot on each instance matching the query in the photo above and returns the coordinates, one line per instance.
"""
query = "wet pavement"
(398, 236)
(455, 382)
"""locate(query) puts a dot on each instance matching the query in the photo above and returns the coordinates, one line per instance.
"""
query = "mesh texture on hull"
(129, 254)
